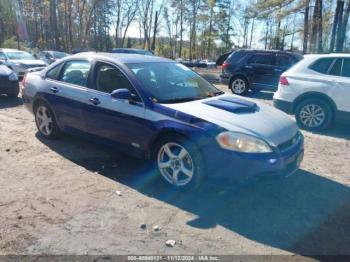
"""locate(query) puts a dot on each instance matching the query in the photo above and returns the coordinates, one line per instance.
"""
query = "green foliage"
(12, 43)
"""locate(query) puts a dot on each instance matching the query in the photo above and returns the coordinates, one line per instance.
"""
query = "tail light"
(284, 81)
(225, 65)
(22, 84)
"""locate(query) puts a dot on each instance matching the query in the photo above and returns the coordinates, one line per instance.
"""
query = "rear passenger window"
(76, 72)
(322, 65)
(336, 68)
(263, 59)
(283, 61)
(346, 67)
(54, 72)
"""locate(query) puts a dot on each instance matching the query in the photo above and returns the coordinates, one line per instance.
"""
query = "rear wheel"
(179, 162)
(313, 114)
(45, 121)
(239, 86)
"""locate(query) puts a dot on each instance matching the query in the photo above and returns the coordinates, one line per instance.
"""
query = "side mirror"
(122, 93)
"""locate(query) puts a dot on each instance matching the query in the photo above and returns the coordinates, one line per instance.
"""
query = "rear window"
(322, 65)
(262, 59)
(236, 57)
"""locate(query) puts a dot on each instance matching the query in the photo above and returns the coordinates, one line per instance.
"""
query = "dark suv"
(256, 69)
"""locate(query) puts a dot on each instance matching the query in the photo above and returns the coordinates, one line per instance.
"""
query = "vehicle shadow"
(305, 213)
(6, 102)
(337, 130)
(263, 95)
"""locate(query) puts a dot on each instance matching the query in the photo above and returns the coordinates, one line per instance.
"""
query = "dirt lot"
(60, 197)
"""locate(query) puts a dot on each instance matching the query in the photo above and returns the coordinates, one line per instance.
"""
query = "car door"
(115, 120)
(66, 93)
(260, 68)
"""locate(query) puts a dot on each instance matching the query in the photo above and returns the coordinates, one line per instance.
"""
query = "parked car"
(159, 109)
(206, 63)
(317, 91)
(8, 82)
(20, 61)
(51, 56)
(132, 51)
(256, 69)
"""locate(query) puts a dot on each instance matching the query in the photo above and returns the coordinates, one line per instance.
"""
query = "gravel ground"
(72, 197)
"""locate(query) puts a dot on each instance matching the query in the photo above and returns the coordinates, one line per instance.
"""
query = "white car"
(20, 62)
(317, 91)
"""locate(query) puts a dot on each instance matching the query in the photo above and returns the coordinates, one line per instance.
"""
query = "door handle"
(249, 66)
(278, 70)
(54, 90)
(95, 101)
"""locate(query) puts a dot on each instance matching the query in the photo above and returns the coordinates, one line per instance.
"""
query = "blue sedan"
(158, 109)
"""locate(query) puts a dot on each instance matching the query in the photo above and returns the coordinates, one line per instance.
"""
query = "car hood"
(242, 115)
(4, 70)
(29, 62)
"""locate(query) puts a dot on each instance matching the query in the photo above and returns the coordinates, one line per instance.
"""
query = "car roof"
(328, 55)
(268, 51)
(122, 58)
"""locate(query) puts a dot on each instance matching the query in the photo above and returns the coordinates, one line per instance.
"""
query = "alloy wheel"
(312, 115)
(175, 164)
(238, 86)
(44, 120)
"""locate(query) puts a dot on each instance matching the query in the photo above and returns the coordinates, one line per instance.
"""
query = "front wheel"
(46, 122)
(313, 114)
(239, 86)
(179, 162)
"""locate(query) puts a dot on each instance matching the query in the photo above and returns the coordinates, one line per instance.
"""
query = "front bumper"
(285, 106)
(233, 165)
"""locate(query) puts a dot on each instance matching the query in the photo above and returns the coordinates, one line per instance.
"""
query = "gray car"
(20, 62)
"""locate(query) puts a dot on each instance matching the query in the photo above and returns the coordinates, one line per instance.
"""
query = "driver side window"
(109, 78)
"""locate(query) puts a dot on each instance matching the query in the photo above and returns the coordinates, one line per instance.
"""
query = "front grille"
(294, 140)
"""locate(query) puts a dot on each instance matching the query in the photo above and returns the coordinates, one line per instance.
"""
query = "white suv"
(316, 90)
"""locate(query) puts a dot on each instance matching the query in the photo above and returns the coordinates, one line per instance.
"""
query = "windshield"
(172, 82)
(59, 54)
(19, 56)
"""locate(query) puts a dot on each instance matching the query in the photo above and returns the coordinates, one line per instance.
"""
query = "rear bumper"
(285, 106)
(224, 79)
(9, 87)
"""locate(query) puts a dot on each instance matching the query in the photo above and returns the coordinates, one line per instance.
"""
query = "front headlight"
(242, 143)
(13, 77)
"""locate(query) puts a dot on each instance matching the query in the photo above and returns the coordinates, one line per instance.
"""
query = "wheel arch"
(315, 95)
(38, 98)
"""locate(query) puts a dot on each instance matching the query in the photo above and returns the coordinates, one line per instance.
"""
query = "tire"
(314, 114)
(45, 121)
(177, 154)
(239, 86)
